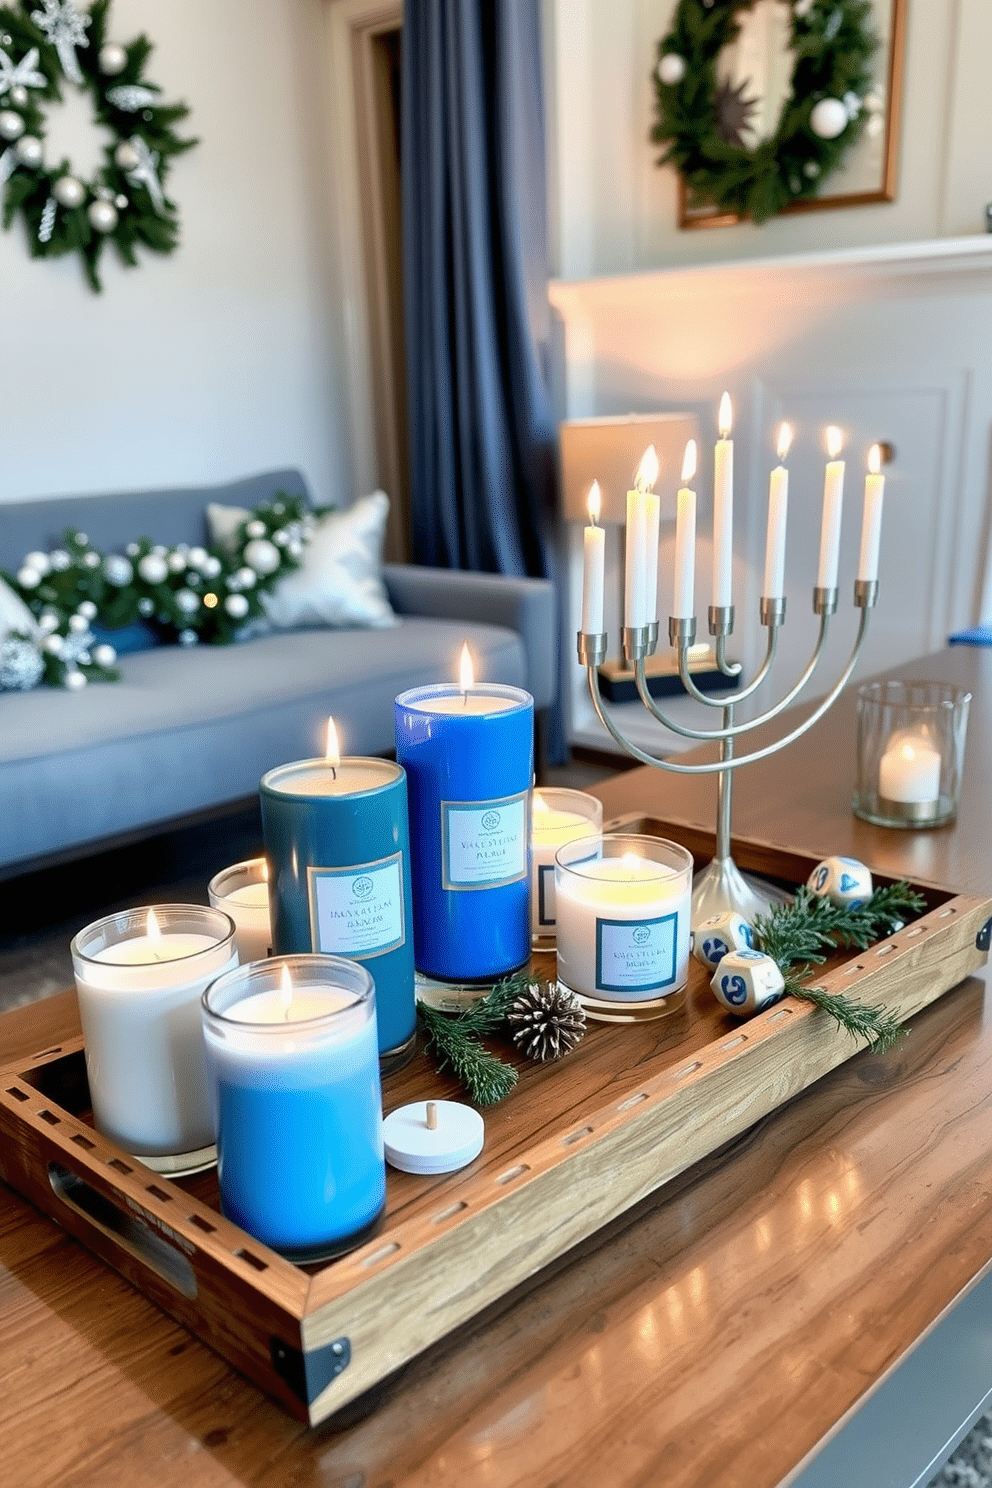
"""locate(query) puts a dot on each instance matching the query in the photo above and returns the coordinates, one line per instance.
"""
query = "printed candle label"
(546, 894)
(484, 843)
(358, 911)
(636, 955)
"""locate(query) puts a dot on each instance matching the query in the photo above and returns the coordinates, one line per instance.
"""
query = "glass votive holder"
(242, 891)
(911, 738)
(139, 978)
(293, 1063)
(623, 909)
(558, 817)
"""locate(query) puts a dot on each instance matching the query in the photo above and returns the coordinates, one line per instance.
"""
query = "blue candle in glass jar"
(293, 1066)
(469, 757)
(337, 839)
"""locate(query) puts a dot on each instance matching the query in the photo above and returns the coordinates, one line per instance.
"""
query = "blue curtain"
(482, 437)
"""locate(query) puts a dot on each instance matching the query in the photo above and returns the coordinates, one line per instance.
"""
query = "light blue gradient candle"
(292, 1058)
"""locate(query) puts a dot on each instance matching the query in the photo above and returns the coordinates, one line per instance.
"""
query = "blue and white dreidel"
(714, 938)
(745, 982)
(844, 881)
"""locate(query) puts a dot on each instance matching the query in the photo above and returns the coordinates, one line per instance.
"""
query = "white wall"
(220, 359)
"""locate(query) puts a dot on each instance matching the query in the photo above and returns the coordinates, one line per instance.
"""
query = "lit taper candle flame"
(784, 441)
(466, 672)
(152, 927)
(689, 462)
(725, 417)
(647, 471)
(594, 505)
(835, 441)
(332, 750)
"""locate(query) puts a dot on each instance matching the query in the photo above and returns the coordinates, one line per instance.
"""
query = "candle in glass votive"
(833, 503)
(242, 891)
(909, 770)
(468, 751)
(558, 816)
(623, 908)
(337, 838)
(292, 1055)
(139, 977)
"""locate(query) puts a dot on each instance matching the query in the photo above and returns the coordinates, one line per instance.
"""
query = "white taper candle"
(778, 511)
(723, 509)
(833, 502)
(683, 601)
(871, 521)
(593, 567)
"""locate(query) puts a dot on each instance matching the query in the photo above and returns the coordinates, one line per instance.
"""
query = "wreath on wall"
(43, 45)
(704, 120)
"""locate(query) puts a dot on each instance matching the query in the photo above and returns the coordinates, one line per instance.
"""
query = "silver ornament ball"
(28, 150)
(74, 681)
(113, 59)
(18, 96)
(28, 578)
(126, 156)
(69, 192)
(104, 655)
(246, 577)
(671, 69)
(59, 559)
(828, 118)
(188, 638)
(117, 570)
(54, 645)
(37, 560)
(236, 606)
(78, 624)
(255, 529)
(103, 216)
(146, 606)
(177, 562)
(11, 125)
(262, 555)
(153, 568)
(87, 609)
(197, 557)
(187, 602)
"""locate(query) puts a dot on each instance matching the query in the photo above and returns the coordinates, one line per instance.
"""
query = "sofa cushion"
(184, 729)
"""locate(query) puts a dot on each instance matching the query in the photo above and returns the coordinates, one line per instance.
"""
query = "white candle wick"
(594, 505)
(725, 418)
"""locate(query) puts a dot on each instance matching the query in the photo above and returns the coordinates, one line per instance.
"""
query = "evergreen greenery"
(53, 230)
(832, 46)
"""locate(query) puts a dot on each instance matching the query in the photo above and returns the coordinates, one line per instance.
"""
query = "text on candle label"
(484, 843)
(358, 911)
(636, 955)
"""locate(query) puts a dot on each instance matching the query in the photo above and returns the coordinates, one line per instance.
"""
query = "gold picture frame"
(890, 17)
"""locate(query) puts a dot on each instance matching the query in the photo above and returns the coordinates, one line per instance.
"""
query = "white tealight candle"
(242, 891)
(833, 502)
(593, 567)
(723, 509)
(909, 770)
(557, 817)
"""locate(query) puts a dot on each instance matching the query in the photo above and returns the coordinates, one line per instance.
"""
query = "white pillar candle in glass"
(593, 566)
(683, 600)
(623, 910)
(242, 891)
(871, 522)
(139, 977)
(833, 502)
(557, 817)
(723, 509)
(909, 770)
(778, 511)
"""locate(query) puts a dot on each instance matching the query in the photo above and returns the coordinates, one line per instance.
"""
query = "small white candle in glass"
(623, 910)
(139, 978)
(242, 891)
(909, 770)
(558, 816)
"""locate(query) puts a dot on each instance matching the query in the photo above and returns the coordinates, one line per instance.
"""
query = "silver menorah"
(721, 886)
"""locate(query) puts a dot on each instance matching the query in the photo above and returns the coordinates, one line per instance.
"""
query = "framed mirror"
(756, 69)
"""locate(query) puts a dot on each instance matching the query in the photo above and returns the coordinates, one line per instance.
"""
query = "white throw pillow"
(339, 581)
(14, 614)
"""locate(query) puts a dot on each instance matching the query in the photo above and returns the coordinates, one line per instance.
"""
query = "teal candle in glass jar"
(337, 839)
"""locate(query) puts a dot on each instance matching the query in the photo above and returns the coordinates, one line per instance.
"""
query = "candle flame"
(152, 927)
(647, 471)
(595, 503)
(466, 672)
(332, 750)
(265, 870)
(689, 462)
(631, 861)
(875, 459)
(784, 441)
(725, 419)
(285, 992)
(835, 441)
(540, 804)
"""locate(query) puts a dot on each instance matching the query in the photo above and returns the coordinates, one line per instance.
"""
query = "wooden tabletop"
(715, 1335)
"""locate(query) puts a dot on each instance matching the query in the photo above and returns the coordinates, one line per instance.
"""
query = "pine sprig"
(804, 933)
(486, 1078)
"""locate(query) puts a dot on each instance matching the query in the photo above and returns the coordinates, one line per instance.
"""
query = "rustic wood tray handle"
(125, 1225)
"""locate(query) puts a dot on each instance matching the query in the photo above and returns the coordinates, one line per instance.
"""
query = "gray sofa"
(189, 729)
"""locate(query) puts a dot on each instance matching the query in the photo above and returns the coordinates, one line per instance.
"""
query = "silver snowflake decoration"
(65, 28)
(130, 97)
(21, 665)
(145, 173)
(24, 74)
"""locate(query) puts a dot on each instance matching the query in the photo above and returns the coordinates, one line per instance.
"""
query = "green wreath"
(702, 120)
(44, 43)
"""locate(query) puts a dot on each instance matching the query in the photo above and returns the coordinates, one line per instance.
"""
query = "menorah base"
(721, 888)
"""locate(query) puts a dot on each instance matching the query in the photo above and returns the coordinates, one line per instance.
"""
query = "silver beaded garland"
(21, 665)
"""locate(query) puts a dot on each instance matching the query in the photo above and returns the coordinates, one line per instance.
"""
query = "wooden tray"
(574, 1146)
